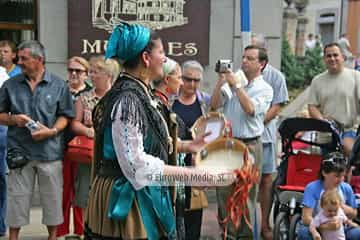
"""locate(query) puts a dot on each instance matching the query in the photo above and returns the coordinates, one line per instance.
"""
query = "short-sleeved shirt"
(277, 81)
(3, 75)
(244, 125)
(337, 95)
(338, 234)
(314, 190)
(50, 100)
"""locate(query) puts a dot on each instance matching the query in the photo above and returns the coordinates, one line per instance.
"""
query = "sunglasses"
(189, 79)
(337, 160)
(76, 70)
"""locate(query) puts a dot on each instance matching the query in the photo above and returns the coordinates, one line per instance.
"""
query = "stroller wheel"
(294, 224)
(281, 226)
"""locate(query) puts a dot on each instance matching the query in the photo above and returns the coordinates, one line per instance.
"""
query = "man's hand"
(236, 79)
(19, 120)
(221, 79)
(43, 133)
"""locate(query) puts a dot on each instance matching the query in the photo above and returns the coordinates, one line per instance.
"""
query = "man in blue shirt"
(245, 106)
(39, 96)
(277, 82)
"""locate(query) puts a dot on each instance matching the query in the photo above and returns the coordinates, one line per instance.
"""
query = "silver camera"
(223, 65)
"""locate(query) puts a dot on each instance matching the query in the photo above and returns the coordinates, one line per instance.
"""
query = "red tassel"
(236, 204)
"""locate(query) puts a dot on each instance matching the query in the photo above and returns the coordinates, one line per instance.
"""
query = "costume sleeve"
(262, 101)
(137, 166)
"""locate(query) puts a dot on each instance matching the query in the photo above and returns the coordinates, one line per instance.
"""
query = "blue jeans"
(3, 140)
(351, 233)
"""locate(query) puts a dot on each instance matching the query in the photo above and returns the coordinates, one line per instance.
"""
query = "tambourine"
(214, 122)
(223, 154)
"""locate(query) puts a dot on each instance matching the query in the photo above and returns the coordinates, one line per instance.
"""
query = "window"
(18, 20)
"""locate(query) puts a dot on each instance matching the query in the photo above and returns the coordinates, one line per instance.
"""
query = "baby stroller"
(298, 168)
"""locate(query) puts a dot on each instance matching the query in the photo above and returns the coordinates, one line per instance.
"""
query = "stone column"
(301, 27)
(290, 22)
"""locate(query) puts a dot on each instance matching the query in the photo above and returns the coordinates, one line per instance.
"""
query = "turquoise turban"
(127, 41)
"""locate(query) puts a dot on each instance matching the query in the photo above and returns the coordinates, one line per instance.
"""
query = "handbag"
(80, 149)
(16, 158)
(198, 199)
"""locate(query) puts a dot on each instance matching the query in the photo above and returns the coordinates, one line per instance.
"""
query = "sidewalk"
(35, 230)
(209, 231)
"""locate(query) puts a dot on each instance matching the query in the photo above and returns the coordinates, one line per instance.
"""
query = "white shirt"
(3, 75)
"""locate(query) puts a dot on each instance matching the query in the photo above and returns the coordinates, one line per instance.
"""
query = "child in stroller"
(298, 168)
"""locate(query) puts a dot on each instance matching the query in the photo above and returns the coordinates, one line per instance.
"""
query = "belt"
(248, 140)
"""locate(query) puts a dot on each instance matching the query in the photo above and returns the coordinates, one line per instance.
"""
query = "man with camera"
(36, 106)
(245, 98)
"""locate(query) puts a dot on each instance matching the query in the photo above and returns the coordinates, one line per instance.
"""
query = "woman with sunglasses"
(331, 174)
(78, 73)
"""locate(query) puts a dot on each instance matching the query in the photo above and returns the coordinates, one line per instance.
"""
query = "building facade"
(47, 21)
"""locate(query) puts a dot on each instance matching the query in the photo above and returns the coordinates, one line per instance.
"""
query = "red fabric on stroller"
(355, 184)
(302, 169)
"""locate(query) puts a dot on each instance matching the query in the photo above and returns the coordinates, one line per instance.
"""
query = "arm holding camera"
(237, 81)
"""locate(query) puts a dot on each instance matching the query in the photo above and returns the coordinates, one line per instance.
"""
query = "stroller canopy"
(291, 126)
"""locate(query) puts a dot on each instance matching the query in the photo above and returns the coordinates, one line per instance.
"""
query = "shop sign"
(182, 24)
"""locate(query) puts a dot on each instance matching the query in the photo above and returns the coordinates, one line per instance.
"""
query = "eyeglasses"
(76, 70)
(189, 79)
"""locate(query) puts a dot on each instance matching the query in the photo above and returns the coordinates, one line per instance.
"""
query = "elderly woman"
(332, 174)
(190, 105)
(133, 144)
(102, 74)
(78, 73)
